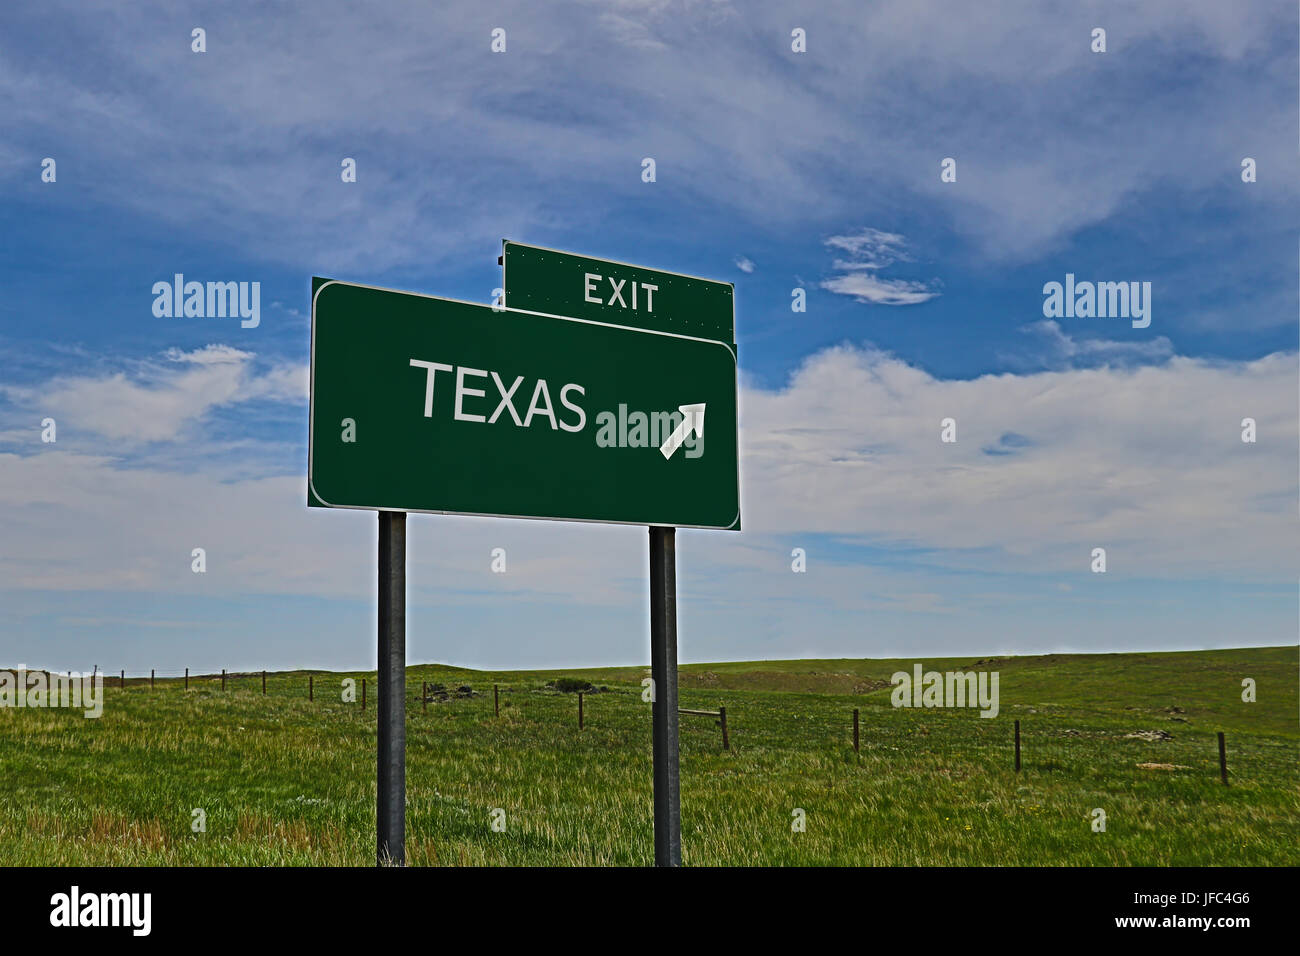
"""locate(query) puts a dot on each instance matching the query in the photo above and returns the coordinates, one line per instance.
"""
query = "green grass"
(285, 781)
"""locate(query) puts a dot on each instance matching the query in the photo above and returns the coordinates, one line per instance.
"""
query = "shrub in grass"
(570, 685)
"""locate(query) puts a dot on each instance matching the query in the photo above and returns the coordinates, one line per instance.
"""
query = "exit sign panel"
(601, 290)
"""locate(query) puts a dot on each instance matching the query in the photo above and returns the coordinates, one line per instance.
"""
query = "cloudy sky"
(777, 171)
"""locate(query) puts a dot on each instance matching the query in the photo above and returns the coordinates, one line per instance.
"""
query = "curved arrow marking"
(692, 421)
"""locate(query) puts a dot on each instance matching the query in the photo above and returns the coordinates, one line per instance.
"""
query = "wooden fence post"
(424, 694)
(579, 710)
(263, 683)
(1223, 760)
(122, 681)
(223, 678)
(151, 678)
(496, 701)
(187, 678)
(1017, 746)
(720, 713)
(855, 730)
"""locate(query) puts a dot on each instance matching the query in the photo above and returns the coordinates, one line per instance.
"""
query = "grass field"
(285, 781)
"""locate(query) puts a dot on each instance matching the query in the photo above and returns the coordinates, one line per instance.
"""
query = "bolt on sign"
(433, 405)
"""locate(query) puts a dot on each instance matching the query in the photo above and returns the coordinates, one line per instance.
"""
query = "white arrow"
(692, 421)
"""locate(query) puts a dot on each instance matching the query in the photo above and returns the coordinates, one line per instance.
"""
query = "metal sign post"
(663, 671)
(390, 810)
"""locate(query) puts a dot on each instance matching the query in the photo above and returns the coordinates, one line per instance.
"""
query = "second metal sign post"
(618, 293)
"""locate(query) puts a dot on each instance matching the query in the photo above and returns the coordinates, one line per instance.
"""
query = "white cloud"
(867, 288)
(631, 32)
(162, 397)
(869, 250)
(745, 264)
(208, 355)
(87, 522)
(284, 383)
(1146, 462)
(1067, 347)
(526, 138)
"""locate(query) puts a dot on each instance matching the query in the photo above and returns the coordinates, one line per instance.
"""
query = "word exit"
(592, 283)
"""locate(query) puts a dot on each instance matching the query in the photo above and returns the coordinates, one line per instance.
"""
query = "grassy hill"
(285, 780)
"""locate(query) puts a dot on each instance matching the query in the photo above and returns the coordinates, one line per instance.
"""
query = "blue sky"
(775, 170)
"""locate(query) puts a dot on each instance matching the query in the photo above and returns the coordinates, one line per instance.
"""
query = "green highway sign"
(434, 405)
(583, 397)
(563, 283)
